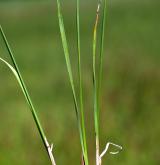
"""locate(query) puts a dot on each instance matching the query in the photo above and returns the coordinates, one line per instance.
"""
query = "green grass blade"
(80, 83)
(66, 53)
(17, 74)
(21, 82)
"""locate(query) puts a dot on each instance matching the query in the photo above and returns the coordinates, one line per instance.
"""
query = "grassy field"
(131, 79)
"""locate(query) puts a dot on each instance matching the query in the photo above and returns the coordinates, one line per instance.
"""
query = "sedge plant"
(97, 58)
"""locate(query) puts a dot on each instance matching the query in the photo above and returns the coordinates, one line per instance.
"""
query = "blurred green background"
(131, 82)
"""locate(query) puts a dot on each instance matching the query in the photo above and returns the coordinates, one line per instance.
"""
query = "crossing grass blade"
(80, 82)
(69, 69)
(17, 74)
(13, 71)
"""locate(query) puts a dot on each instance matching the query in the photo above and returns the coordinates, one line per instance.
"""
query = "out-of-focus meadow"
(131, 82)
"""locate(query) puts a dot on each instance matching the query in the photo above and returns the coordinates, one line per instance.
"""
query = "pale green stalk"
(17, 73)
(80, 84)
(95, 85)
